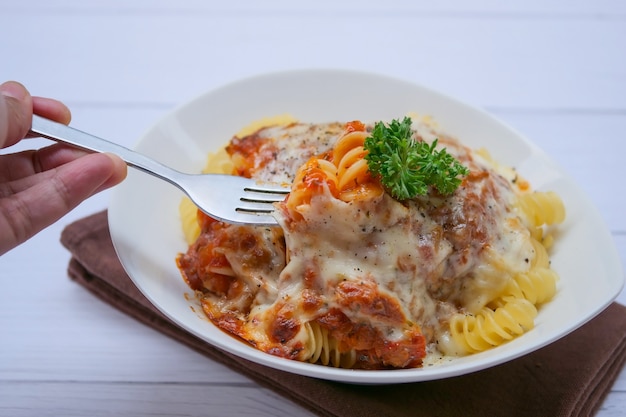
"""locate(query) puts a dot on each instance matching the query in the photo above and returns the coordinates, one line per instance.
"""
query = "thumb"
(16, 109)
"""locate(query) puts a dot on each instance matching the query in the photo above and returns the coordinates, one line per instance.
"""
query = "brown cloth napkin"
(570, 377)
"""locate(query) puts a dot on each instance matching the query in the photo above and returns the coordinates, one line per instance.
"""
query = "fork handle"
(61, 133)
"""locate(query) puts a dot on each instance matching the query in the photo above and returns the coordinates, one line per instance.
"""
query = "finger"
(15, 113)
(58, 191)
(119, 170)
(18, 171)
(25, 164)
(17, 107)
(52, 109)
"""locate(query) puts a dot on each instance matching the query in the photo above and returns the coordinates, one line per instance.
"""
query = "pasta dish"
(354, 277)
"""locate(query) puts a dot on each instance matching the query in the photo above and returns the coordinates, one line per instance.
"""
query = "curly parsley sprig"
(407, 167)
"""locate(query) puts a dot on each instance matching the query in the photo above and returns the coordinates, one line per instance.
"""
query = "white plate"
(147, 235)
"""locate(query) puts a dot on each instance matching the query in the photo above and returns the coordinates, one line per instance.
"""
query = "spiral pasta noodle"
(310, 179)
(541, 258)
(542, 208)
(344, 171)
(488, 328)
(536, 286)
(324, 349)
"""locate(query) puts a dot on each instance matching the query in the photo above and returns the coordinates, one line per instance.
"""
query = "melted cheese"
(383, 277)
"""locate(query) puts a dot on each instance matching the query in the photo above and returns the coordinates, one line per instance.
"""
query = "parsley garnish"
(407, 167)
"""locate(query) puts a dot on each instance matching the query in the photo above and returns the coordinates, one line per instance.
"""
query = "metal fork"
(227, 198)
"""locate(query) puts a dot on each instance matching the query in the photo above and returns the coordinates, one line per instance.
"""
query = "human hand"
(38, 187)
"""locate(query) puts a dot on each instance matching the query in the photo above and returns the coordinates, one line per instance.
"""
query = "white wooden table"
(553, 69)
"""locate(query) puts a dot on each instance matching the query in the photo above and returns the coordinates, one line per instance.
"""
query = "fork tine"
(255, 206)
(268, 189)
(250, 210)
(258, 199)
(269, 199)
(256, 212)
(235, 199)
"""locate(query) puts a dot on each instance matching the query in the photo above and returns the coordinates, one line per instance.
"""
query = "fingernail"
(13, 89)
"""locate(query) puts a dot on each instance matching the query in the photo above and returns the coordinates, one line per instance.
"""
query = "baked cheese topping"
(370, 282)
